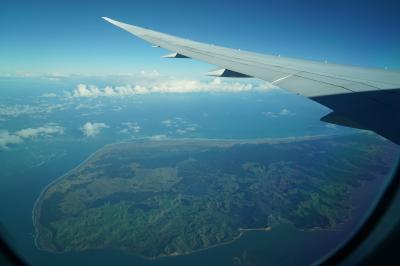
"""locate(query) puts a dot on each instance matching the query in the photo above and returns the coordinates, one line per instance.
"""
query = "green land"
(173, 197)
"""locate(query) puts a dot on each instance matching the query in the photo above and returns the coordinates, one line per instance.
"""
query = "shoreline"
(37, 201)
(268, 228)
(241, 231)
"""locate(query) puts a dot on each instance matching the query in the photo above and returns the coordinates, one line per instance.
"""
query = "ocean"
(29, 166)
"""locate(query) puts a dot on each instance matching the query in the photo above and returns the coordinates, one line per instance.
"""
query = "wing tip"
(108, 19)
(115, 22)
(119, 24)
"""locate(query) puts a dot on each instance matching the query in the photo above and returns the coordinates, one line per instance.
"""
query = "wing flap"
(303, 86)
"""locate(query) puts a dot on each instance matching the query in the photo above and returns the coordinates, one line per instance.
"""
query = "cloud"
(153, 73)
(25, 109)
(191, 128)
(169, 86)
(188, 129)
(84, 91)
(174, 122)
(131, 127)
(168, 123)
(84, 106)
(158, 137)
(92, 129)
(56, 76)
(7, 138)
(283, 112)
(22, 74)
(46, 130)
(117, 108)
(180, 125)
(270, 114)
(331, 126)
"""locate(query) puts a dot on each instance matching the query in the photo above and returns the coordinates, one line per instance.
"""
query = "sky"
(69, 37)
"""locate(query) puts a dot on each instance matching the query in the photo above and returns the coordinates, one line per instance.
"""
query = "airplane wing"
(364, 98)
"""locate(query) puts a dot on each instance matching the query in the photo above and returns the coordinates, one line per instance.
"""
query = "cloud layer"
(169, 86)
(7, 138)
(46, 130)
(283, 112)
(26, 109)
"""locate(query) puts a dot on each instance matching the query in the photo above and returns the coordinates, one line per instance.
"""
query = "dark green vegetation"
(172, 197)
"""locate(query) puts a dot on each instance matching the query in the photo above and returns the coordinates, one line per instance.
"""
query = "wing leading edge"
(364, 98)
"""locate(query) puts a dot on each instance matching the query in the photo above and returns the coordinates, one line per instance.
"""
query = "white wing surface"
(364, 98)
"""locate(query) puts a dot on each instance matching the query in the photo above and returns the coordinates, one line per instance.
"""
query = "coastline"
(241, 231)
(35, 208)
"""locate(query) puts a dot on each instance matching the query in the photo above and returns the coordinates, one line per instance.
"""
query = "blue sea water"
(29, 166)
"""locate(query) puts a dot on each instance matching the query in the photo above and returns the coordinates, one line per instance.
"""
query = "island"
(155, 198)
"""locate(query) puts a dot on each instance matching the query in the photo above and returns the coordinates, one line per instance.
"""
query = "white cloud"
(270, 114)
(7, 138)
(158, 137)
(57, 75)
(331, 126)
(84, 106)
(283, 112)
(38, 75)
(174, 122)
(191, 128)
(180, 125)
(25, 109)
(92, 129)
(17, 110)
(181, 131)
(169, 86)
(46, 130)
(84, 91)
(117, 108)
(187, 129)
(153, 73)
(131, 127)
(168, 123)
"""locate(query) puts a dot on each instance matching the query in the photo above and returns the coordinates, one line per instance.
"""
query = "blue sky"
(70, 37)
